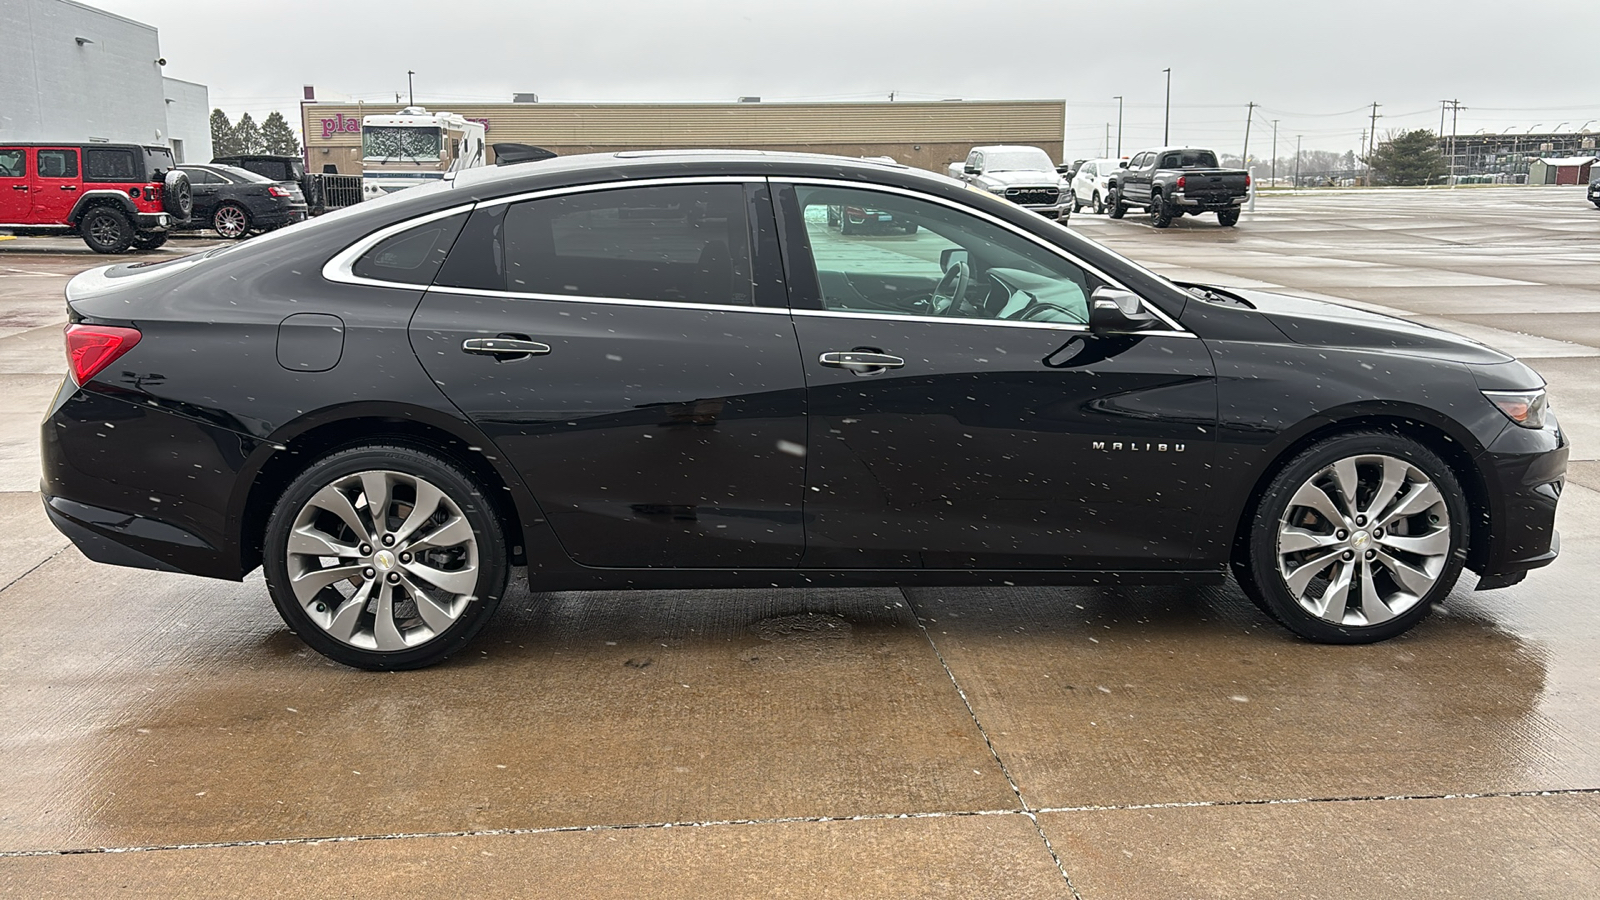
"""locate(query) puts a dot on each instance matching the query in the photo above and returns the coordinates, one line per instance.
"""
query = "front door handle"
(504, 347)
(19, 187)
(861, 362)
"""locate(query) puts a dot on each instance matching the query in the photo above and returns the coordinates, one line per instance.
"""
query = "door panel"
(653, 432)
(55, 183)
(1005, 447)
(997, 432)
(15, 200)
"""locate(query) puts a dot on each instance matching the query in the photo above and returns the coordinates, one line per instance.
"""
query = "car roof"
(692, 161)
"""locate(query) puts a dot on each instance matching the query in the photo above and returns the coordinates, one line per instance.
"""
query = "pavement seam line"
(35, 567)
(506, 832)
(984, 733)
(1291, 801)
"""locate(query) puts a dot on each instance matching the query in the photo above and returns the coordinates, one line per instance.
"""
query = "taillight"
(1247, 181)
(90, 348)
(276, 191)
(1182, 180)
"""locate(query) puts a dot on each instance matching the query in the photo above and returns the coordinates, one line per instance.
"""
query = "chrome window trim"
(341, 267)
(946, 320)
(615, 185)
(1176, 329)
(609, 301)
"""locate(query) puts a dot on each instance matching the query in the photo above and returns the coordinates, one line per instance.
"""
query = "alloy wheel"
(1363, 540)
(231, 222)
(382, 560)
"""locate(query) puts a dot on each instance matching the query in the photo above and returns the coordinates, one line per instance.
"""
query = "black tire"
(231, 221)
(1117, 209)
(1160, 214)
(150, 241)
(1099, 204)
(1257, 562)
(470, 610)
(106, 229)
(844, 223)
(911, 228)
(833, 217)
(177, 196)
(1227, 218)
(1077, 205)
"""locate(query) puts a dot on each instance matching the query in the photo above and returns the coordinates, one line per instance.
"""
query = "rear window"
(110, 164)
(241, 174)
(1189, 159)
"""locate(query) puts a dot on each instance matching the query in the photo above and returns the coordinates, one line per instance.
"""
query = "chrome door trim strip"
(609, 301)
(341, 267)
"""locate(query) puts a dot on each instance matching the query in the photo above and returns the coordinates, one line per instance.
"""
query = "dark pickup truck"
(1173, 181)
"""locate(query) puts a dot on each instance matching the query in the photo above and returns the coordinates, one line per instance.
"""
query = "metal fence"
(327, 191)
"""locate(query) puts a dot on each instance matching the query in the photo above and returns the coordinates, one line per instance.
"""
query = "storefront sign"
(342, 124)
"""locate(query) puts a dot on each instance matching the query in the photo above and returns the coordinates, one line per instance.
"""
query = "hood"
(1023, 178)
(1321, 324)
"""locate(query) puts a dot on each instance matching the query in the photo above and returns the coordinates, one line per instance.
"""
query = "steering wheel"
(950, 290)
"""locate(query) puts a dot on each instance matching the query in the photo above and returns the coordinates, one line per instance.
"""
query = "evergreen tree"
(1408, 157)
(278, 136)
(247, 136)
(223, 141)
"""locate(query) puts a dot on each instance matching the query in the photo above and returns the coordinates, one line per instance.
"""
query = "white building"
(70, 72)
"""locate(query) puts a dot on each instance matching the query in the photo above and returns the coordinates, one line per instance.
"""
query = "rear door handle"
(69, 187)
(861, 362)
(504, 348)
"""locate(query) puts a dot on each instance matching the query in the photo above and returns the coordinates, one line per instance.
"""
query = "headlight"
(997, 189)
(1526, 408)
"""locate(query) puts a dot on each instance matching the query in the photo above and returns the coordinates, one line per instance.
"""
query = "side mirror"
(949, 256)
(1114, 311)
(1122, 164)
(972, 169)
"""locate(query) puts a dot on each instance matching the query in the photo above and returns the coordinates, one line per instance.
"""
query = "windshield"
(401, 142)
(1025, 159)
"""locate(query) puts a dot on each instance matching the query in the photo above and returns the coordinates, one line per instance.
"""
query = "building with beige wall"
(927, 135)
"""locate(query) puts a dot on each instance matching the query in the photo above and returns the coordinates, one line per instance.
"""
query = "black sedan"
(233, 202)
(393, 406)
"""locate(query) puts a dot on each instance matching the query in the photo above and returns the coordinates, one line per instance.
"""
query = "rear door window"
(673, 243)
(58, 164)
(110, 165)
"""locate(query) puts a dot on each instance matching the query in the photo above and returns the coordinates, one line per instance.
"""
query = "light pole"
(1166, 126)
(410, 92)
(1297, 161)
(1274, 152)
(1118, 98)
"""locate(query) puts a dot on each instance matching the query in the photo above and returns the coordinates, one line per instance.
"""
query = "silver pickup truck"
(1023, 175)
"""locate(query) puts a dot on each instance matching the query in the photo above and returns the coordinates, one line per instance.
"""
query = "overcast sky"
(1315, 67)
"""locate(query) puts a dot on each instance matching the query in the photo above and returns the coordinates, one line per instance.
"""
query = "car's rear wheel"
(385, 557)
(150, 241)
(1160, 214)
(231, 221)
(1228, 218)
(1114, 203)
(106, 230)
(911, 228)
(1356, 538)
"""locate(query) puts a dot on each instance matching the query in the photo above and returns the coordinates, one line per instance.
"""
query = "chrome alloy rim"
(382, 560)
(1363, 540)
(230, 221)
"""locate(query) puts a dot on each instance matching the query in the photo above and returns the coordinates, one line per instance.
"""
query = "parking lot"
(166, 736)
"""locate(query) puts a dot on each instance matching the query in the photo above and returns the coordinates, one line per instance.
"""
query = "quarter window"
(413, 256)
(110, 165)
(888, 254)
(58, 164)
(681, 243)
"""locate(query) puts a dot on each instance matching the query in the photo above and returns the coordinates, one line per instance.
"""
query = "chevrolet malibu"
(663, 370)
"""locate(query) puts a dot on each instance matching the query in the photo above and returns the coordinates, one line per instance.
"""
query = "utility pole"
(1118, 98)
(1455, 111)
(1108, 138)
(1297, 160)
(1372, 142)
(1166, 127)
(410, 91)
(1274, 152)
(1250, 114)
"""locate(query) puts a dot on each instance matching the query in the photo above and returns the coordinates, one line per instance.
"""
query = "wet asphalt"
(165, 736)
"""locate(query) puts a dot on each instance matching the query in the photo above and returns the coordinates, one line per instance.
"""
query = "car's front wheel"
(1356, 538)
(1116, 208)
(385, 557)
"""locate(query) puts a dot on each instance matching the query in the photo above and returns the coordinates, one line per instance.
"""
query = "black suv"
(117, 196)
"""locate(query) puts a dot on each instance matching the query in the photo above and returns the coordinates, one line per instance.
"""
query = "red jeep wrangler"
(116, 196)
